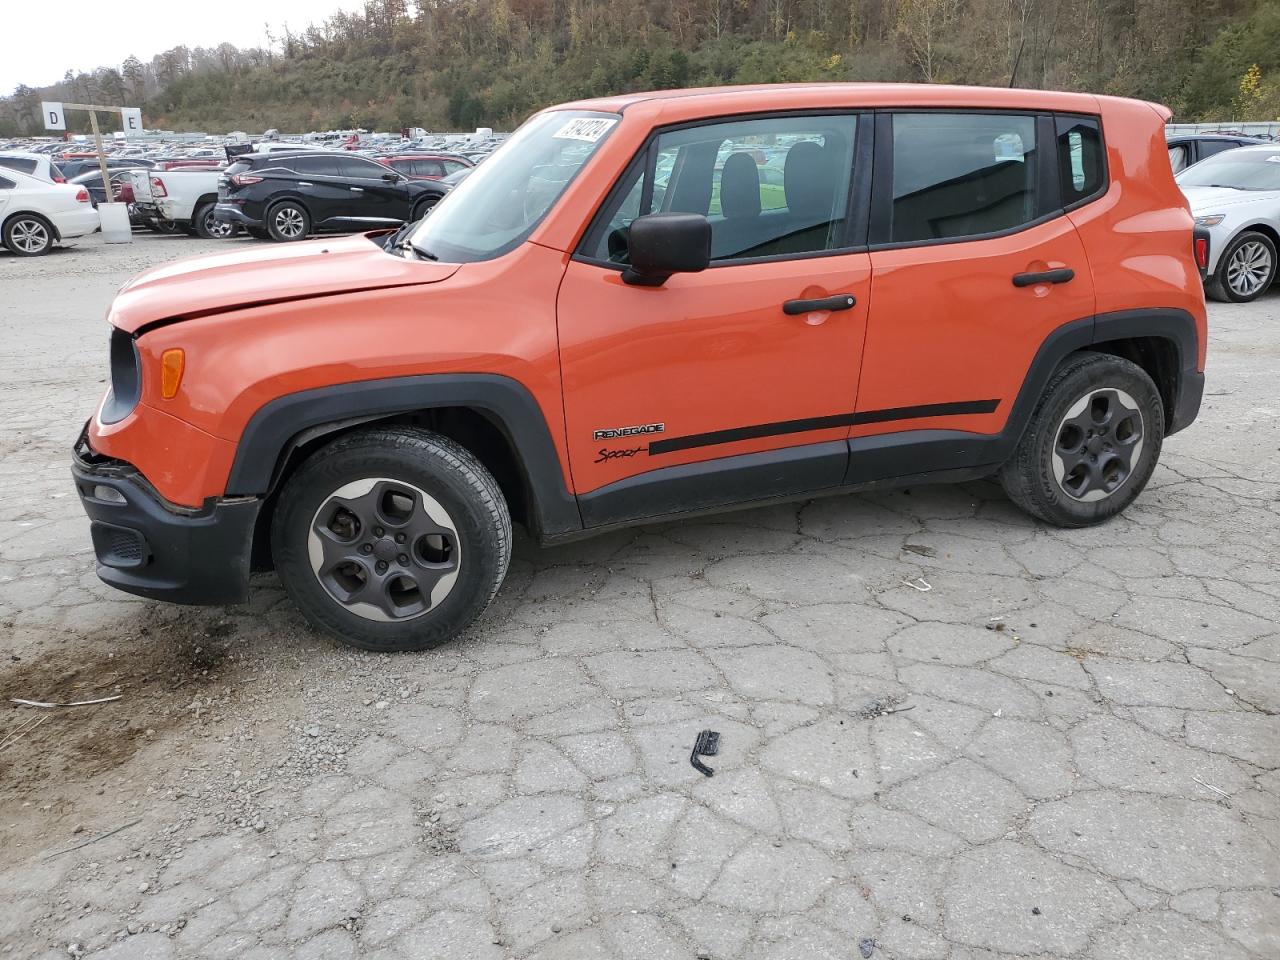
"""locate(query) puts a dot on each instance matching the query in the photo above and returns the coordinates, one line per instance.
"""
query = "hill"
(456, 64)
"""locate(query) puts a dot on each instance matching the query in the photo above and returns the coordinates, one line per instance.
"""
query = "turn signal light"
(172, 363)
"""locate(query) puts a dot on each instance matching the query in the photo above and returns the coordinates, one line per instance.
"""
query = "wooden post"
(102, 157)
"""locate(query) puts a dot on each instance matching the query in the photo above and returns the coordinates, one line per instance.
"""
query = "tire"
(207, 227)
(1245, 270)
(1067, 476)
(288, 221)
(378, 495)
(28, 235)
(422, 208)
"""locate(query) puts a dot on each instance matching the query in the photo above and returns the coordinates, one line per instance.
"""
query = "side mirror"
(391, 177)
(661, 244)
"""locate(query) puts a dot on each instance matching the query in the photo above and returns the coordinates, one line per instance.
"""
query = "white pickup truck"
(178, 200)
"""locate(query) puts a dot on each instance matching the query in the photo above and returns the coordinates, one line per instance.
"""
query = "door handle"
(305, 183)
(841, 301)
(357, 189)
(1061, 275)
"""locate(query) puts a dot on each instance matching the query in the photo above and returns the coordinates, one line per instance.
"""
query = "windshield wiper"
(393, 242)
(423, 253)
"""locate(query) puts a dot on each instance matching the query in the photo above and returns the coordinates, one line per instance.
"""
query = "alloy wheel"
(384, 549)
(1097, 444)
(29, 236)
(1249, 268)
(289, 223)
(218, 229)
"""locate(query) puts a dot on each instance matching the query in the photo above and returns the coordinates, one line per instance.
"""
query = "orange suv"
(653, 305)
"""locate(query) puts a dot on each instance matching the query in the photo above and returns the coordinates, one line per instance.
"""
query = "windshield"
(1243, 170)
(497, 206)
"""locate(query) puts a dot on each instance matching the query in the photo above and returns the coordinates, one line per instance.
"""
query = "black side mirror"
(661, 244)
(391, 177)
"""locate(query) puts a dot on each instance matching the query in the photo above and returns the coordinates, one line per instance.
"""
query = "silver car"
(1236, 196)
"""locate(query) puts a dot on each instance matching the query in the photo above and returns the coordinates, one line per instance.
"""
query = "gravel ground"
(1068, 747)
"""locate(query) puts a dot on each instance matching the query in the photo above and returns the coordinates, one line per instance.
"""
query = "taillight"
(243, 180)
(1201, 247)
(57, 177)
(157, 188)
(83, 195)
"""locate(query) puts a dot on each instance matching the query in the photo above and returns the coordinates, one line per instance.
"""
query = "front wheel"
(288, 221)
(392, 539)
(1246, 269)
(28, 235)
(423, 208)
(1092, 443)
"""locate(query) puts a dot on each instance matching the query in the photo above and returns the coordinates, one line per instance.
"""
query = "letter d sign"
(54, 118)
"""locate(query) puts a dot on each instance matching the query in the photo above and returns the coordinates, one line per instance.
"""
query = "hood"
(1211, 199)
(260, 274)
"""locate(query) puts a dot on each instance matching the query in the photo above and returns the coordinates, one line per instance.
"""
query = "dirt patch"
(158, 671)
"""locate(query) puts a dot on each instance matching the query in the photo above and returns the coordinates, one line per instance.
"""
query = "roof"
(791, 95)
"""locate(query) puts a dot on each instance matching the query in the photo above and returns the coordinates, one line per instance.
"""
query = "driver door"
(719, 387)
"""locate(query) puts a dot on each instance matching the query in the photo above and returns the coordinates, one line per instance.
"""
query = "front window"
(1237, 169)
(499, 204)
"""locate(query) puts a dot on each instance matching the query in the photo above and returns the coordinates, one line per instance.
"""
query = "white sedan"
(1235, 195)
(35, 214)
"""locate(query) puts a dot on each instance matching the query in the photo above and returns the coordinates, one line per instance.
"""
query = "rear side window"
(428, 168)
(1209, 147)
(314, 166)
(21, 164)
(962, 175)
(1082, 167)
(6, 184)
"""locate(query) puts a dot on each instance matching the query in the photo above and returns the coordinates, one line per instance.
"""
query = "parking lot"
(946, 731)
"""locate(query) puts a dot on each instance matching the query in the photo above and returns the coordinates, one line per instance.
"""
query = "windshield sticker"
(589, 129)
(1009, 147)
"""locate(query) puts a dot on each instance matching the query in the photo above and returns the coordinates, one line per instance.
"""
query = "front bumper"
(233, 213)
(151, 548)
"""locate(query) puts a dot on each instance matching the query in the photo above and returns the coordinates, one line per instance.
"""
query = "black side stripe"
(822, 423)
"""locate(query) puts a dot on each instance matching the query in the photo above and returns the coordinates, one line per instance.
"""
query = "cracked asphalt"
(1068, 746)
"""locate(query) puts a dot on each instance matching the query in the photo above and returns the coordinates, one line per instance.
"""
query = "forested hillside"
(448, 64)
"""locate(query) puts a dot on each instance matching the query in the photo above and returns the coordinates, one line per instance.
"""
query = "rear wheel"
(28, 235)
(1246, 269)
(288, 221)
(392, 539)
(208, 226)
(1092, 443)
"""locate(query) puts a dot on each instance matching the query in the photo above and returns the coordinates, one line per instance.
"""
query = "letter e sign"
(131, 121)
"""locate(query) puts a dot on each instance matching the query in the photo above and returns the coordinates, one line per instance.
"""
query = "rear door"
(319, 183)
(974, 265)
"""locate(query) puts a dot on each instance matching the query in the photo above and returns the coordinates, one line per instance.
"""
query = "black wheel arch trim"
(279, 426)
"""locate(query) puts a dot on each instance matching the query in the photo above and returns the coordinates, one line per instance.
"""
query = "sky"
(42, 48)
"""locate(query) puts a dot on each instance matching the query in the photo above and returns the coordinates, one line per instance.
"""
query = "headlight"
(1212, 220)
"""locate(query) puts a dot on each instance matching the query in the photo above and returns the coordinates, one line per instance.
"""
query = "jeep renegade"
(651, 305)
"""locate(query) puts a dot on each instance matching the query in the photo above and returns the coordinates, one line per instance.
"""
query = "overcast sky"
(49, 39)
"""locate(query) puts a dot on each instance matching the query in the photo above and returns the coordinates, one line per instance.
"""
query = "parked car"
(176, 201)
(37, 165)
(1188, 148)
(1235, 197)
(36, 213)
(74, 167)
(288, 196)
(91, 180)
(427, 166)
(560, 344)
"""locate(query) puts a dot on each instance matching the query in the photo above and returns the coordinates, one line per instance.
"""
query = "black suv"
(286, 196)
